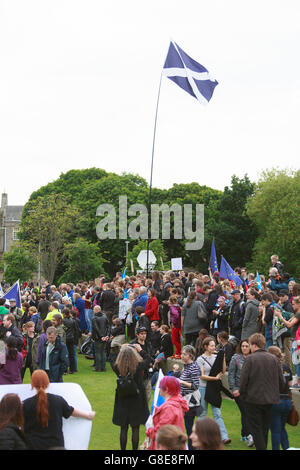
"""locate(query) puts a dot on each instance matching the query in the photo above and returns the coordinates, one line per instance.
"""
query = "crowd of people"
(207, 325)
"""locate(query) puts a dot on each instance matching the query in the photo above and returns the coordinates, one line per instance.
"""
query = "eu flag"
(14, 293)
(226, 272)
(213, 258)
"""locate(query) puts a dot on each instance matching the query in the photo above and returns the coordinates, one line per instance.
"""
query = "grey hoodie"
(250, 319)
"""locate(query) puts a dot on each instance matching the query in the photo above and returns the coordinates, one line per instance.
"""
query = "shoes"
(243, 439)
(226, 441)
(90, 357)
(250, 441)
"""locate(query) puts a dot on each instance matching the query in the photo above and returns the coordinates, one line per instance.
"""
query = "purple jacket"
(175, 316)
(10, 373)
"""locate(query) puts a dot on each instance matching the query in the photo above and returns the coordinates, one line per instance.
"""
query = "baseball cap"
(141, 329)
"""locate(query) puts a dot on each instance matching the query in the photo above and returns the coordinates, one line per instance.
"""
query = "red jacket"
(152, 309)
(170, 412)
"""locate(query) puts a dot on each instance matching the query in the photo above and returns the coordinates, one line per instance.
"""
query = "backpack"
(126, 386)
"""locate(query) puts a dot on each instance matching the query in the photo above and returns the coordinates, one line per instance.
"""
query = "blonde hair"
(171, 438)
(128, 360)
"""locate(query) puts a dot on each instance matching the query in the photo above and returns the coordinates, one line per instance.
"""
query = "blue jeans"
(75, 357)
(216, 414)
(100, 355)
(295, 359)
(280, 414)
(88, 318)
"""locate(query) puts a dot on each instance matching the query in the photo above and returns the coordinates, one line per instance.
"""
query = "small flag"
(157, 400)
(258, 280)
(189, 74)
(226, 272)
(14, 293)
(213, 258)
(124, 274)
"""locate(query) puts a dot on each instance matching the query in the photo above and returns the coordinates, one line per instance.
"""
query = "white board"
(176, 264)
(76, 431)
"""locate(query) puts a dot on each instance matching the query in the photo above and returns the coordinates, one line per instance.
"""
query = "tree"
(83, 261)
(18, 263)
(47, 224)
(274, 208)
(157, 247)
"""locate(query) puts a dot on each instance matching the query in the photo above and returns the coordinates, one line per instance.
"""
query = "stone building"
(10, 218)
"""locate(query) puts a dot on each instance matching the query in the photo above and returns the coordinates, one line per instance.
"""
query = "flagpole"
(151, 172)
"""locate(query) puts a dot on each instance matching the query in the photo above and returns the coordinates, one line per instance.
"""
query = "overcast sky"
(79, 83)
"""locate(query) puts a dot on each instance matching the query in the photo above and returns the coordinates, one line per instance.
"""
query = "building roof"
(13, 212)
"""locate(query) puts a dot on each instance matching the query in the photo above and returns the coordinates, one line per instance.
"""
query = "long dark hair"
(11, 411)
(191, 298)
(12, 351)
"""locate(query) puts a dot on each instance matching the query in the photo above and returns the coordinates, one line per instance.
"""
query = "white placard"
(123, 307)
(76, 431)
(176, 264)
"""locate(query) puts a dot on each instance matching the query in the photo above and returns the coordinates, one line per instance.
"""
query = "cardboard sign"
(176, 264)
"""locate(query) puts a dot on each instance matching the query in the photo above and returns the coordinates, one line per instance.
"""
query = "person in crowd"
(175, 321)
(261, 382)
(12, 330)
(107, 301)
(57, 322)
(171, 411)
(220, 316)
(170, 437)
(16, 311)
(30, 338)
(155, 337)
(42, 339)
(249, 325)
(237, 312)
(198, 346)
(131, 407)
(12, 435)
(117, 338)
(146, 353)
(43, 306)
(206, 435)
(10, 371)
(191, 324)
(79, 304)
(43, 415)
(69, 329)
(152, 306)
(54, 357)
(234, 374)
(269, 305)
(189, 381)
(293, 325)
(53, 310)
(166, 348)
(100, 336)
(281, 411)
(142, 319)
(226, 345)
(205, 363)
(3, 309)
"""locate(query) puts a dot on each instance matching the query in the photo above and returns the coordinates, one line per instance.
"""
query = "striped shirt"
(191, 374)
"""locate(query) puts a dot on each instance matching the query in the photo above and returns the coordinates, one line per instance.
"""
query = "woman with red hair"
(171, 411)
(43, 415)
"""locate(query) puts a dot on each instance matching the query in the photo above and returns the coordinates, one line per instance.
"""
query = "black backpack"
(126, 386)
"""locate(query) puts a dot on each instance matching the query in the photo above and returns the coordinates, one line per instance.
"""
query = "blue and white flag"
(14, 293)
(213, 258)
(189, 74)
(124, 274)
(258, 280)
(157, 400)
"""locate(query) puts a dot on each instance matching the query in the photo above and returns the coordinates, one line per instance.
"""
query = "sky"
(79, 88)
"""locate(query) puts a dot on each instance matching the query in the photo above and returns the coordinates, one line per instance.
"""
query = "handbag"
(293, 418)
(126, 386)
(201, 313)
(193, 398)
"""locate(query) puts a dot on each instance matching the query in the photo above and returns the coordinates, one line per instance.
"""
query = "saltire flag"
(157, 400)
(258, 280)
(14, 293)
(189, 74)
(124, 274)
(226, 272)
(213, 258)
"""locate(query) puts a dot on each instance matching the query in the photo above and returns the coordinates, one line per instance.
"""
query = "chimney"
(3, 200)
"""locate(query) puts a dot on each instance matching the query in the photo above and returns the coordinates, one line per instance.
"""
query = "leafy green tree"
(274, 208)
(83, 261)
(157, 247)
(19, 263)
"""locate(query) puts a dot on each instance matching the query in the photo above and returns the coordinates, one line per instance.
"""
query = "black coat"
(215, 387)
(166, 345)
(132, 410)
(12, 438)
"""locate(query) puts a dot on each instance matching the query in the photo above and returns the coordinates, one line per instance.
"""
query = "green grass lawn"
(100, 390)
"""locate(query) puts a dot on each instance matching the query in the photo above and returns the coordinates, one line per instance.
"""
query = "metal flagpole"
(151, 173)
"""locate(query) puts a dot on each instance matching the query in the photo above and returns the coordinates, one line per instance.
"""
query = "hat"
(141, 329)
(283, 292)
(12, 300)
(236, 291)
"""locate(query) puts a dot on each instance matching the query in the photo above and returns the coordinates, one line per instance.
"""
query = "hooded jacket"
(170, 412)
